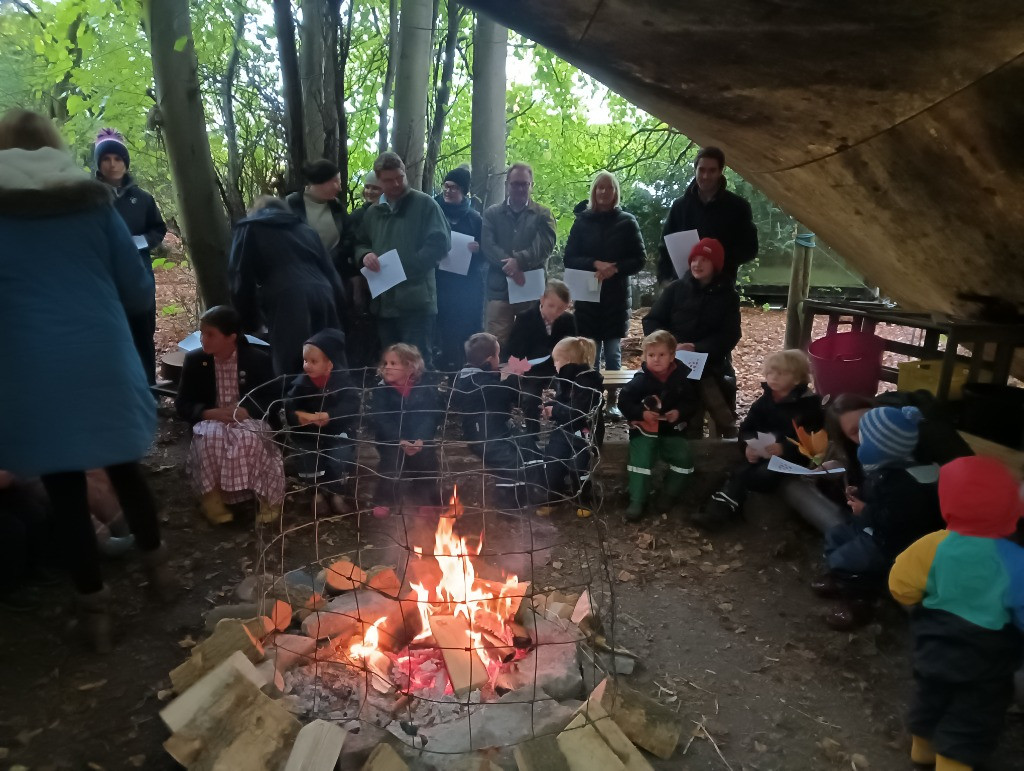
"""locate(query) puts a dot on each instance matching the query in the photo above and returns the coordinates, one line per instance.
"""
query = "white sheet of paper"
(583, 285)
(391, 273)
(458, 259)
(140, 242)
(192, 342)
(541, 360)
(759, 444)
(531, 290)
(785, 467)
(679, 246)
(695, 361)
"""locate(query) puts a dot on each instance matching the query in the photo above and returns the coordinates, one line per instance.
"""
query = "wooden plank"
(466, 670)
(317, 747)
(176, 714)
(1013, 459)
(585, 750)
(384, 758)
(645, 722)
(624, 749)
(540, 754)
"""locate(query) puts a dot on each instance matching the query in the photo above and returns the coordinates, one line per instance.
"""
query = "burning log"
(229, 636)
(466, 670)
(317, 747)
(343, 576)
(520, 637)
(344, 616)
(497, 649)
(292, 650)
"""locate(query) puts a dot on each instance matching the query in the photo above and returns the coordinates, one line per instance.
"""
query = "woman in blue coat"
(73, 390)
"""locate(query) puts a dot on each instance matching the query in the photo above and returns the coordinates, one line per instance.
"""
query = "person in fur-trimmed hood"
(74, 394)
(139, 211)
(966, 586)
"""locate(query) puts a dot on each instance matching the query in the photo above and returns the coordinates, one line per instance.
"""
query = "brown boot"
(162, 581)
(948, 764)
(214, 509)
(94, 612)
(921, 751)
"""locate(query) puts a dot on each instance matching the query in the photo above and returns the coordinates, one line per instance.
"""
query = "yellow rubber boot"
(214, 509)
(269, 512)
(921, 750)
(948, 764)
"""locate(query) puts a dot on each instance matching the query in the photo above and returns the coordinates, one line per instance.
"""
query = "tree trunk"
(411, 80)
(204, 226)
(232, 187)
(331, 29)
(291, 91)
(394, 44)
(311, 75)
(442, 94)
(490, 44)
(344, 46)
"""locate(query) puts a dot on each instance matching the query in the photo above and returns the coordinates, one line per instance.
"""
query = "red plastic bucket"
(846, 363)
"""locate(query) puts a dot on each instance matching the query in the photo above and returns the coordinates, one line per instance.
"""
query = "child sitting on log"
(659, 402)
(788, 403)
(406, 411)
(577, 395)
(232, 455)
(322, 407)
(966, 585)
(484, 396)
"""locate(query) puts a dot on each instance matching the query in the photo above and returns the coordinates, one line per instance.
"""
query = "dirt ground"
(727, 632)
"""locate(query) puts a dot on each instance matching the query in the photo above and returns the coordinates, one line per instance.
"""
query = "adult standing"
(518, 235)
(606, 240)
(139, 211)
(74, 393)
(318, 206)
(702, 311)
(460, 299)
(280, 276)
(363, 345)
(714, 212)
(411, 223)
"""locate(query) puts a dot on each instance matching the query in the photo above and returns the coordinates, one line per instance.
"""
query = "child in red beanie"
(967, 586)
(702, 311)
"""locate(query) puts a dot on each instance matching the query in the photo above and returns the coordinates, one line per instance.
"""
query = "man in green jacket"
(518, 235)
(412, 223)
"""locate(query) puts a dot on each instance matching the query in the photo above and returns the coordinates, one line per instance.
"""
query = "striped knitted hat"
(888, 435)
(110, 141)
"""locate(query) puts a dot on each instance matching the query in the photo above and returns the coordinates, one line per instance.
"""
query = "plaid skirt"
(238, 459)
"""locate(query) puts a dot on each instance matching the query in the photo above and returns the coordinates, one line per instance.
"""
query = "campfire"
(465, 633)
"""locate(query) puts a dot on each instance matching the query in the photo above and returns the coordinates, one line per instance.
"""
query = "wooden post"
(799, 285)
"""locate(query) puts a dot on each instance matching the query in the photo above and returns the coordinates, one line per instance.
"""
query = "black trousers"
(143, 327)
(751, 477)
(404, 475)
(73, 524)
(22, 533)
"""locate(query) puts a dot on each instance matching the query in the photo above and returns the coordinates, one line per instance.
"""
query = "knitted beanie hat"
(332, 343)
(979, 497)
(711, 248)
(888, 435)
(110, 141)
(370, 180)
(461, 176)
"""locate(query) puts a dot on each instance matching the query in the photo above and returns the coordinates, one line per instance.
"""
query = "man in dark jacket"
(280, 276)
(140, 213)
(363, 344)
(713, 212)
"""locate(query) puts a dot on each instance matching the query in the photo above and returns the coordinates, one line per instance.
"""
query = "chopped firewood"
(624, 749)
(586, 750)
(513, 595)
(382, 578)
(273, 676)
(229, 636)
(559, 610)
(297, 595)
(259, 627)
(317, 747)
(645, 722)
(239, 727)
(279, 611)
(488, 621)
(293, 650)
(584, 607)
(180, 711)
(541, 754)
(344, 576)
(346, 615)
(497, 648)
(466, 671)
(384, 758)
(520, 637)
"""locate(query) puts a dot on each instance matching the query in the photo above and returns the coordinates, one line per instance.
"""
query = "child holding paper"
(966, 586)
(770, 428)
(702, 311)
(406, 410)
(658, 403)
(605, 240)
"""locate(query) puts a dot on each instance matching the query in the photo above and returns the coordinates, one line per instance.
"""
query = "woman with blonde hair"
(605, 240)
(64, 306)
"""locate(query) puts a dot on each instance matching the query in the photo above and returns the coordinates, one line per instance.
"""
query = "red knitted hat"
(979, 496)
(711, 248)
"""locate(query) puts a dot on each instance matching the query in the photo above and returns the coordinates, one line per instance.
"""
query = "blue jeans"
(415, 330)
(612, 349)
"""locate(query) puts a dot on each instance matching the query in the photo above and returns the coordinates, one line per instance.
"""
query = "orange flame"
(371, 640)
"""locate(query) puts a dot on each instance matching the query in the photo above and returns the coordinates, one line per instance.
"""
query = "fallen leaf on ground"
(625, 575)
(91, 686)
